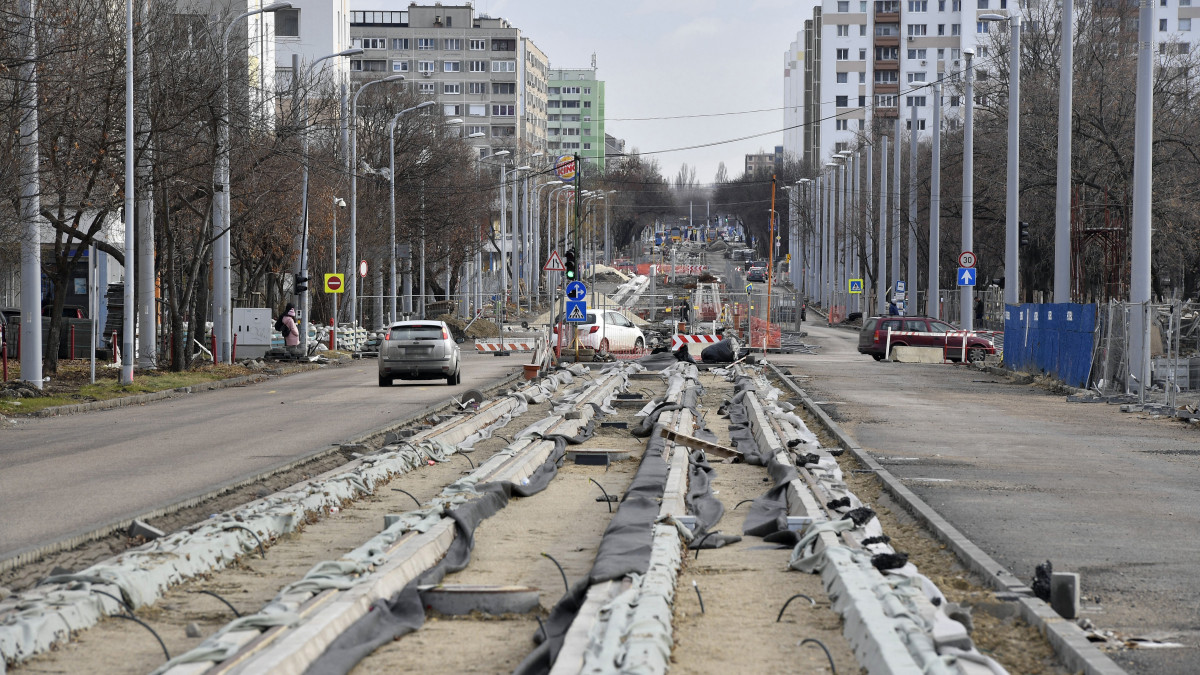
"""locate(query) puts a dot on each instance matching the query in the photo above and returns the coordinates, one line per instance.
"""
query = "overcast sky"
(667, 58)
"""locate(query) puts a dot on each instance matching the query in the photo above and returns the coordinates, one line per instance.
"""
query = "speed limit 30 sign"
(966, 259)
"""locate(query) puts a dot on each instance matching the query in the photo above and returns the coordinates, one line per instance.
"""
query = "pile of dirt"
(482, 328)
(20, 389)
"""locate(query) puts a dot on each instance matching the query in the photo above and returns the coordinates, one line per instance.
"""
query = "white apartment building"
(859, 60)
(479, 68)
(312, 29)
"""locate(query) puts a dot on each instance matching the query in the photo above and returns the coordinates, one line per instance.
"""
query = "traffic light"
(301, 284)
(1023, 233)
(570, 264)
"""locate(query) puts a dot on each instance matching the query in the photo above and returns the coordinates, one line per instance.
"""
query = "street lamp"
(338, 203)
(392, 200)
(966, 295)
(1012, 258)
(503, 231)
(222, 294)
(354, 197)
(518, 238)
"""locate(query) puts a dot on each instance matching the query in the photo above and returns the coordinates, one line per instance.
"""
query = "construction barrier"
(678, 341)
(763, 334)
(493, 346)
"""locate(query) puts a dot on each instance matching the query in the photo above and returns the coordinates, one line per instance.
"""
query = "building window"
(504, 87)
(587, 91)
(287, 23)
(425, 66)
(862, 77)
(843, 55)
(1185, 25)
(570, 90)
(986, 26)
(452, 88)
(942, 54)
(587, 104)
(400, 44)
(452, 110)
(887, 29)
(982, 52)
(983, 4)
(916, 77)
(477, 46)
(451, 66)
(941, 29)
(476, 129)
(862, 53)
(842, 101)
(478, 66)
(399, 66)
(918, 101)
(477, 110)
(452, 44)
(843, 5)
(956, 29)
(569, 104)
(862, 101)
(842, 125)
(887, 77)
(426, 43)
(954, 101)
(504, 110)
(956, 5)
(428, 88)
(1162, 25)
(502, 132)
(504, 45)
(918, 5)
(587, 146)
(369, 43)
(887, 6)
(504, 66)
(885, 100)
(916, 53)
(843, 78)
(920, 125)
(843, 30)
(368, 66)
(477, 87)
(916, 29)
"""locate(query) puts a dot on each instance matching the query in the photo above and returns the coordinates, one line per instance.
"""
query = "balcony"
(890, 113)
(887, 41)
(887, 17)
(886, 88)
(887, 64)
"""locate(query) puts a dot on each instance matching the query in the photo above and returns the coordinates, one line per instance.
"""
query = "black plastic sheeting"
(403, 613)
(702, 504)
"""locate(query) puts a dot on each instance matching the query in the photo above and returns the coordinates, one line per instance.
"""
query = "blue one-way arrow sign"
(966, 276)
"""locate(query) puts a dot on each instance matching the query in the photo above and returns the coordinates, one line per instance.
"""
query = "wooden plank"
(700, 444)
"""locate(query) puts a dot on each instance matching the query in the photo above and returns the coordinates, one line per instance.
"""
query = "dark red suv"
(919, 331)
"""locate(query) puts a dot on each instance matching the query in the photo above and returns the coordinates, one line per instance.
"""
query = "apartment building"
(479, 68)
(312, 29)
(575, 114)
(765, 163)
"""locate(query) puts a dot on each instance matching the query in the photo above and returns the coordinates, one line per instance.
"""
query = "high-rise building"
(575, 115)
(481, 69)
(312, 29)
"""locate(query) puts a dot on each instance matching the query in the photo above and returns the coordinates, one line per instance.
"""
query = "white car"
(604, 331)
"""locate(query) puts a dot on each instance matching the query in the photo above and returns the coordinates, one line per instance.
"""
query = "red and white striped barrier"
(505, 346)
(678, 341)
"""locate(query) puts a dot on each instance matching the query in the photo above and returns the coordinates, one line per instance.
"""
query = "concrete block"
(917, 354)
(1064, 594)
(950, 633)
(573, 415)
(142, 529)
(390, 519)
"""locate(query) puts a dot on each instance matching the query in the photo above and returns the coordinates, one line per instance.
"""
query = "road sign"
(362, 269)
(966, 276)
(966, 259)
(554, 264)
(901, 287)
(856, 285)
(749, 288)
(565, 168)
(576, 291)
(576, 311)
(335, 283)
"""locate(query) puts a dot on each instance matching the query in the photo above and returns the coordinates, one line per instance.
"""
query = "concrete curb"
(81, 537)
(1068, 640)
(140, 399)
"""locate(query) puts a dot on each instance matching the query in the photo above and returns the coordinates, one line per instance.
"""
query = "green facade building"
(575, 114)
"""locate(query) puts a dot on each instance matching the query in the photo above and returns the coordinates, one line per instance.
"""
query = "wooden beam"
(700, 444)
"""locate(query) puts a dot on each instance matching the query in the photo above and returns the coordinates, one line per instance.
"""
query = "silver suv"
(419, 350)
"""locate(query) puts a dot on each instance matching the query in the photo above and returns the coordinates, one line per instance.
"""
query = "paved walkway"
(1029, 477)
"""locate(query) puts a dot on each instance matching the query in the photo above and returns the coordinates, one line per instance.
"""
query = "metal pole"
(865, 201)
(966, 294)
(1012, 275)
(335, 267)
(93, 307)
(1143, 178)
(911, 296)
(503, 238)
(882, 274)
(146, 314)
(31, 241)
(392, 214)
(130, 310)
(935, 202)
(896, 205)
(514, 296)
(1062, 194)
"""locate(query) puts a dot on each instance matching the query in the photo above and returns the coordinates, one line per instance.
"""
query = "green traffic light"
(570, 274)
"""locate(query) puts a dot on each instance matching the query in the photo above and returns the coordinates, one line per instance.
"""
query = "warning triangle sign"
(576, 314)
(554, 264)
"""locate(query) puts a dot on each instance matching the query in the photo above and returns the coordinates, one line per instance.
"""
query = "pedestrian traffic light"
(570, 264)
(301, 284)
(1023, 237)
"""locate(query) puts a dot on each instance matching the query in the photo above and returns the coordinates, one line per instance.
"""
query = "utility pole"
(31, 206)
(935, 203)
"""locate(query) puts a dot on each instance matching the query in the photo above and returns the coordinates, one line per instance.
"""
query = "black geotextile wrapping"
(649, 422)
(658, 361)
(403, 613)
(718, 352)
(702, 504)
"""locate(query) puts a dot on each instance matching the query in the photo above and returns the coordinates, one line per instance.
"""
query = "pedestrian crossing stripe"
(576, 314)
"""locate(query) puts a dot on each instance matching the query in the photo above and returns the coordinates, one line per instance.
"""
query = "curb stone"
(81, 537)
(1067, 639)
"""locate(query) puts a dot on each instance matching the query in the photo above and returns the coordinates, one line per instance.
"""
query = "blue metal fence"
(1056, 339)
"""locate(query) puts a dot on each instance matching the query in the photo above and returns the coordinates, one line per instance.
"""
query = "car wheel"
(976, 354)
(385, 381)
(453, 379)
(639, 345)
(603, 346)
(877, 357)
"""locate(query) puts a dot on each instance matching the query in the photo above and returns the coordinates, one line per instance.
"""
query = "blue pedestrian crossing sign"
(966, 276)
(576, 311)
(856, 285)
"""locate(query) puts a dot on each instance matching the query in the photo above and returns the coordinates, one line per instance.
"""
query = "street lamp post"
(882, 272)
(222, 292)
(966, 294)
(1062, 192)
(1012, 275)
(392, 200)
(935, 202)
(354, 197)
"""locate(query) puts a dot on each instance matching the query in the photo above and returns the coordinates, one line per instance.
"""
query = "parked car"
(873, 339)
(419, 350)
(606, 332)
(756, 274)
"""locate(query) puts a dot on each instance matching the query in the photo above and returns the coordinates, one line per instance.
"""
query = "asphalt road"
(66, 475)
(1029, 477)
